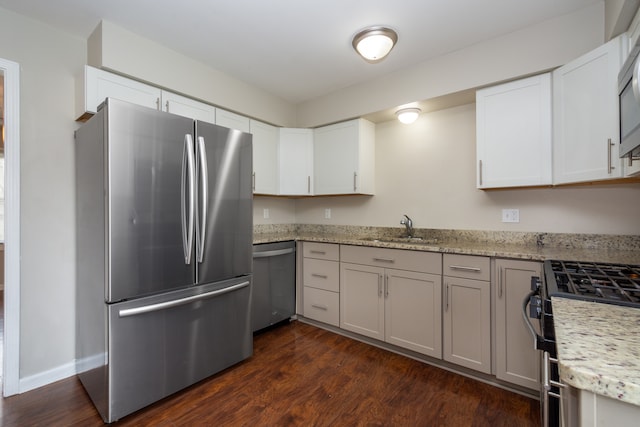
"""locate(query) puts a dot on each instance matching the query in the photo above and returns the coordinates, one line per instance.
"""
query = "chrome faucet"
(406, 221)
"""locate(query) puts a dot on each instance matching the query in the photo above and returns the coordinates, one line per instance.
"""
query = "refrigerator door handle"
(174, 303)
(204, 182)
(188, 173)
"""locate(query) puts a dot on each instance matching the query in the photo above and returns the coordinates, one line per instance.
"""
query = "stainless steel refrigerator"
(164, 254)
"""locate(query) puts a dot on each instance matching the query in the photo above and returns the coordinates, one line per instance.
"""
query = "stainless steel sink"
(413, 240)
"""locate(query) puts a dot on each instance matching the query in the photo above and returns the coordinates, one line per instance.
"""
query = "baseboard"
(44, 378)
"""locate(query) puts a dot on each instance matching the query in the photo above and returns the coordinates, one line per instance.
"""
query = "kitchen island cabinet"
(517, 361)
(393, 296)
(513, 133)
(586, 127)
(344, 158)
(467, 311)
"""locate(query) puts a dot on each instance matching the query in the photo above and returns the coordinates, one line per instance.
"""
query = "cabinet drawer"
(425, 262)
(467, 266)
(321, 305)
(328, 251)
(321, 274)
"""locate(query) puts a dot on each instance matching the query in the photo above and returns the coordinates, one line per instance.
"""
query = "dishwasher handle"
(276, 252)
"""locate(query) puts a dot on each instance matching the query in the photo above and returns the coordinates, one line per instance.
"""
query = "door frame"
(11, 358)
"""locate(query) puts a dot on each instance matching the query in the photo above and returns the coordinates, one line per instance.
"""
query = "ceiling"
(299, 50)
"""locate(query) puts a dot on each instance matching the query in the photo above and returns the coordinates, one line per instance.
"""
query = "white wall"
(427, 170)
(49, 60)
(530, 50)
(117, 49)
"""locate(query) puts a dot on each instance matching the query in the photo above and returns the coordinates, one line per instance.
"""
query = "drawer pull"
(320, 307)
(318, 252)
(384, 260)
(463, 268)
(321, 276)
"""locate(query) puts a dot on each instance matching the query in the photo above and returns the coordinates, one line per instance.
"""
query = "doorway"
(10, 72)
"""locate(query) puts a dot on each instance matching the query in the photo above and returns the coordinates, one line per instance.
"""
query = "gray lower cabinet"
(516, 359)
(467, 311)
(393, 296)
(321, 278)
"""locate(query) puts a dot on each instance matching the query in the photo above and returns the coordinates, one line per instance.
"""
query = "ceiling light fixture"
(408, 115)
(374, 43)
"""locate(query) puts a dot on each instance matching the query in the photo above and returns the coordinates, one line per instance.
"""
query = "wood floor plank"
(299, 375)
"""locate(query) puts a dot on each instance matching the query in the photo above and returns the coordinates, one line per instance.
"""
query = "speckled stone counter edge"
(517, 245)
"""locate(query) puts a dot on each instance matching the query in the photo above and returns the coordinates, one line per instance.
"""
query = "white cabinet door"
(361, 301)
(467, 323)
(586, 135)
(513, 131)
(296, 161)
(96, 85)
(265, 157)
(413, 303)
(187, 107)
(344, 158)
(517, 361)
(232, 120)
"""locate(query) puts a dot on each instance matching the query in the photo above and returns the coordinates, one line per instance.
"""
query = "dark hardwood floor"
(299, 375)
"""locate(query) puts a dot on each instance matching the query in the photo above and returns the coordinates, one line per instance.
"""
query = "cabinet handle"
(480, 172)
(355, 177)
(386, 285)
(500, 283)
(610, 167)
(318, 252)
(167, 105)
(158, 103)
(320, 276)
(320, 307)
(308, 184)
(254, 181)
(464, 268)
(384, 260)
(446, 297)
(379, 285)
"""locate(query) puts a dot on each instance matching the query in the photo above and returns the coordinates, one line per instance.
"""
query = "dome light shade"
(408, 115)
(374, 43)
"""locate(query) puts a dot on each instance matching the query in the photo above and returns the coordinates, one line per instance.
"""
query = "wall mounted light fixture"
(408, 115)
(374, 43)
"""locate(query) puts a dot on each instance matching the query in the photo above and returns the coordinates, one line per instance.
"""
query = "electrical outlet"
(327, 214)
(265, 213)
(510, 215)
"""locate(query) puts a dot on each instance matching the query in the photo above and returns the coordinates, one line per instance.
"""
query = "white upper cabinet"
(95, 85)
(296, 161)
(344, 158)
(265, 157)
(513, 133)
(232, 120)
(586, 135)
(187, 107)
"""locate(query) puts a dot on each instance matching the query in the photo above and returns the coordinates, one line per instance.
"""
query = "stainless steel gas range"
(589, 281)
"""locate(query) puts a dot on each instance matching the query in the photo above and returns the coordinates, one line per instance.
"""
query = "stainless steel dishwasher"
(274, 283)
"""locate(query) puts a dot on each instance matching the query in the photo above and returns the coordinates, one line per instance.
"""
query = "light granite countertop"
(614, 249)
(599, 347)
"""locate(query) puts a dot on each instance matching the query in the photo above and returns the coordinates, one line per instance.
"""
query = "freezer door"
(149, 178)
(161, 344)
(225, 203)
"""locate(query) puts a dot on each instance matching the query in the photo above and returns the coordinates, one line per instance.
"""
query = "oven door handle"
(525, 316)
(540, 343)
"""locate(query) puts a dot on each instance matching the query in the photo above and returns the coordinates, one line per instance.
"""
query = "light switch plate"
(327, 214)
(265, 213)
(510, 215)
